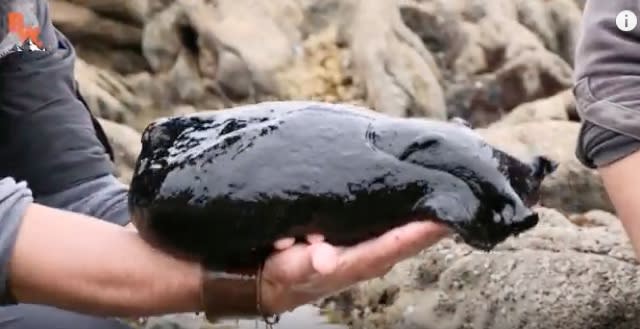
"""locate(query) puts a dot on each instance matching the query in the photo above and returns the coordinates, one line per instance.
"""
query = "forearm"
(69, 261)
(622, 182)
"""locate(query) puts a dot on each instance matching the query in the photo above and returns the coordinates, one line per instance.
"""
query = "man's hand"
(303, 273)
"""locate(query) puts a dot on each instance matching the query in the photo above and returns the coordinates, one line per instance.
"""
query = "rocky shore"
(505, 65)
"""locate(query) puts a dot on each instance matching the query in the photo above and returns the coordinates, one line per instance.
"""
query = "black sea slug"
(224, 185)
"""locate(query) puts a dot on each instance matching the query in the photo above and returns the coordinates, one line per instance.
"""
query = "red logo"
(17, 27)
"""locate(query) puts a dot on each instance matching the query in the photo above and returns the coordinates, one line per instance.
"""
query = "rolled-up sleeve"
(14, 199)
(607, 88)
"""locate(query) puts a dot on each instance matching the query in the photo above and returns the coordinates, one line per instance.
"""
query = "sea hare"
(224, 185)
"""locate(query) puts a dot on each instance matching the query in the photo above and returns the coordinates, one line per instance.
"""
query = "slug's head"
(541, 167)
(526, 180)
(509, 214)
(526, 177)
(483, 193)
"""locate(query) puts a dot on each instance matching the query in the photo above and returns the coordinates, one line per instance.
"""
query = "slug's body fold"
(224, 185)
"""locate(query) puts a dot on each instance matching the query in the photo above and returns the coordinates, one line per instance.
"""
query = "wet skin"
(224, 185)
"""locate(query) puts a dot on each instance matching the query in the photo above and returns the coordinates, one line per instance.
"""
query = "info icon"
(626, 20)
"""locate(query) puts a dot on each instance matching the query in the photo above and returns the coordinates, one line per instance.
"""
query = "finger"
(409, 240)
(314, 238)
(397, 244)
(284, 243)
(291, 265)
(324, 258)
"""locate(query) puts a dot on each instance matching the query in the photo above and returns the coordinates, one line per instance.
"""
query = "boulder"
(399, 74)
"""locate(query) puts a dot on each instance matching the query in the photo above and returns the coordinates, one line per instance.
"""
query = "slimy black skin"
(224, 185)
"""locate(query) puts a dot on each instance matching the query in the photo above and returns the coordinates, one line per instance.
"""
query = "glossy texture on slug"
(224, 185)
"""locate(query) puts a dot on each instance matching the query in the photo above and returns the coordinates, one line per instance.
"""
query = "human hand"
(302, 273)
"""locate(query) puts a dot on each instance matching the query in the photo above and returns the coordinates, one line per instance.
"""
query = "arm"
(607, 95)
(69, 261)
(96, 267)
(56, 257)
(622, 182)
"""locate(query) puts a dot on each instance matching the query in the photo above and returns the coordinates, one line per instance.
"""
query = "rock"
(106, 93)
(519, 71)
(490, 61)
(438, 27)
(405, 57)
(557, 275)
(126, 145)
(128, 11)
(573, 187)
(555, 22)
(560, 106)
(221, 47)
(598, 218)
(321, 72)
(82, 24)
(108, 43)
(177, 321)
(399, 74)
(319, 15)
(161, 39)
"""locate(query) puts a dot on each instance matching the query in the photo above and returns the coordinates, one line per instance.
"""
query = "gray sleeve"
(14, 199)
(104, 198)
(607, 88)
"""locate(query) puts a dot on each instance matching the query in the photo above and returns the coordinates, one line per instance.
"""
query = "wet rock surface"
(560, 274)
(504, 65)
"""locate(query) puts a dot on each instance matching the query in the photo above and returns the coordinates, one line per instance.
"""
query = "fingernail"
(315, 238)
(284, 243)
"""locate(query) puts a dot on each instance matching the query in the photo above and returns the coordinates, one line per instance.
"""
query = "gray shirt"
(52, 150)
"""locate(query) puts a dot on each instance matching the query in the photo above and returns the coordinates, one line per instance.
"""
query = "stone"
(107, 42)
(107, 93)
(399, 74)
(560, 106)
(126, 145)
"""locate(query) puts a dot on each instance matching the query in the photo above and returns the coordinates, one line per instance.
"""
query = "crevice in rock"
(189, 38)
